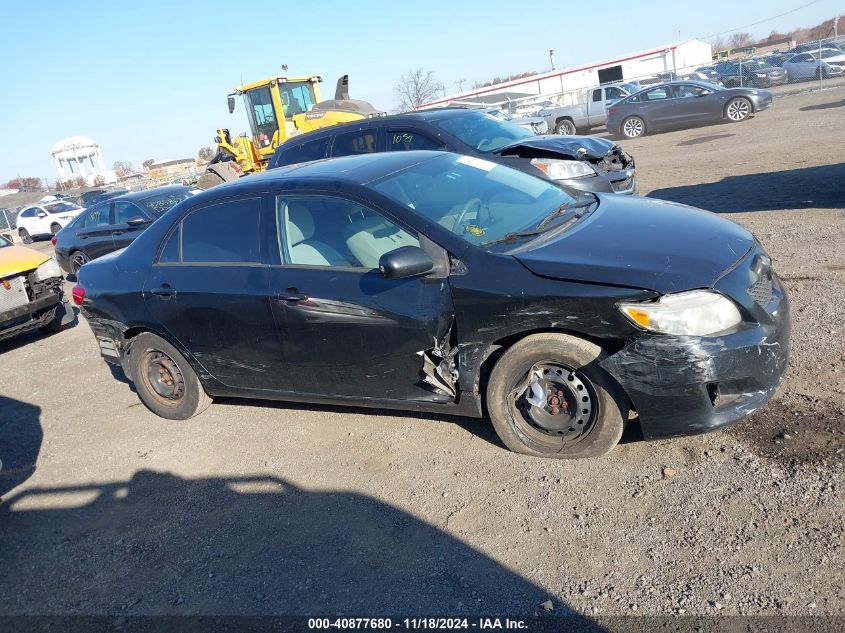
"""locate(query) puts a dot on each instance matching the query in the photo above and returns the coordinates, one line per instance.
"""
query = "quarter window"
(170, 252)
(333, 232)
(226, 232)
(399, 140)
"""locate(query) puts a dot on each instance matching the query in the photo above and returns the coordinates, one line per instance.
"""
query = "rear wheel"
(738, 109)
(565, 126)
(164, 379)
(548, 397)
(633, 127)
(26, 238)
(77, 260)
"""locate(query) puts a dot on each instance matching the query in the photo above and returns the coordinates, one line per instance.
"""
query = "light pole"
(552, 57)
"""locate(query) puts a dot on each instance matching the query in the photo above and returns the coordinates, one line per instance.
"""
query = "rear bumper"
(684, 385)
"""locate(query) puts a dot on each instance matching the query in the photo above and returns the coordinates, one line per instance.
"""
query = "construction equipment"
(278, 108)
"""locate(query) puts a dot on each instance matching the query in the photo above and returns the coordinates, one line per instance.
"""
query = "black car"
(436, 282)
(112, 224)
(581, 162)
(751, 73)
(683, 103)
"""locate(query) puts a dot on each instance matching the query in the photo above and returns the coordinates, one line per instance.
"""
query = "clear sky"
(149, 79)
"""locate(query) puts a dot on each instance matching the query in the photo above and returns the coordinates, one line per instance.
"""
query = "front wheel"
(548, 397)
(633, 127)
(566, 127)
(738, 109)
(164, 379)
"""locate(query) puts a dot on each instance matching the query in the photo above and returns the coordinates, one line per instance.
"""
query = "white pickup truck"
(590, 113)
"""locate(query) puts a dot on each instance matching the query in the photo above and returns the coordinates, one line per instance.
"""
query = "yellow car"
(31, 291)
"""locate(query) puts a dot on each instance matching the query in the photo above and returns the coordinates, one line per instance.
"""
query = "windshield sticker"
(478, 163)
(474, 230)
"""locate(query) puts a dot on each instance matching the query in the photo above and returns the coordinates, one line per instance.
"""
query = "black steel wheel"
(164, 379)
(548, 397)
(77, 260)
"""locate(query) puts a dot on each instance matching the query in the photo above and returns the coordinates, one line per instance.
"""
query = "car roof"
(140, 196)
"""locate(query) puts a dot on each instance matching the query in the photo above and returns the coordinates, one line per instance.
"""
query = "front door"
(345, 330)
(124, 233)
(208, 288)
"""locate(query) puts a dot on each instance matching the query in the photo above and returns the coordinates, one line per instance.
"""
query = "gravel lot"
(257, 508)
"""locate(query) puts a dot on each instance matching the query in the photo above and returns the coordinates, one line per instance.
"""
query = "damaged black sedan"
(435, 282)
(584, 163)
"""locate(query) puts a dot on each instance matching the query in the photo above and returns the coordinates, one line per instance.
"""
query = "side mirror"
(137, 221)
(407, 261)
(231, 102)
(42, 214)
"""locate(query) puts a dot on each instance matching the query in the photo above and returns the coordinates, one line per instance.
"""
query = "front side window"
(399, 140)
(477, 200)
(358, 142)
(657, 94)
(335, 232)
(690, 90)
(483, 132)
(262, 115)
(226, 232)
(125, 211)
(304, 152)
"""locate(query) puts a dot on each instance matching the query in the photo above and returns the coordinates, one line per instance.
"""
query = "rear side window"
(358, 142)
(304, 152)
(222, 233)
(402, 141)
(98, 216)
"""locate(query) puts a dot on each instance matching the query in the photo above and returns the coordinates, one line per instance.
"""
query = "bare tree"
(122, 168)
(718, 44)
(417, 87)
(738, 40)
(99, 181)
(30, 183)
(78, 182)
(205, 154)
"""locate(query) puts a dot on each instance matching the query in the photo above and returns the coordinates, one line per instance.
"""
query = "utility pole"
(552, 57)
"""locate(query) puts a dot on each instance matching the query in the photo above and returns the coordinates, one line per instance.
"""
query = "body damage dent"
(439, 368)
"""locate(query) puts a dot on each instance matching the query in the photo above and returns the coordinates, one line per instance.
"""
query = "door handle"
(292, 294)
(83, 237)
(118, 232)
(164, 291)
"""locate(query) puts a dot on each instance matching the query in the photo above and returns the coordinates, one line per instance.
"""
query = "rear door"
(345, 330)
(361, 141)
(94, 232)
(208, 289)
(658, 105)
(122, 232)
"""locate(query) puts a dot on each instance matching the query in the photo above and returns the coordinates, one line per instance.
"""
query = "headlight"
(760, 74)
(557, 169)
(48, 270)
(695, 313)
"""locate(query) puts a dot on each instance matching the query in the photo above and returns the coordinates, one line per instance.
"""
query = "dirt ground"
(269, 508)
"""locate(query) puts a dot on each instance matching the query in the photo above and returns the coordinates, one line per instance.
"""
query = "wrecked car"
(580, 162)
(430, 281)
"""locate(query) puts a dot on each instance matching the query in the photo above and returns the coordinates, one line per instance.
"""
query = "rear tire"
(77, 260)
(26, 238)
(548, 397)
(633, 127)
(55, 228)
(165, 381)
(565, 127)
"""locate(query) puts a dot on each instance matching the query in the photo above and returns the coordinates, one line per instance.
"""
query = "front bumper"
(683, 385)
(35, 314)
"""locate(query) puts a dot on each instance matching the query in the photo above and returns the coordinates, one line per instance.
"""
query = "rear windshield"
(163, 202)
(61, 207)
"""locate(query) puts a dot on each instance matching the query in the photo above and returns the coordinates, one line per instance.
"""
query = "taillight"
(78, 293)
(53, 240)
(610, 111)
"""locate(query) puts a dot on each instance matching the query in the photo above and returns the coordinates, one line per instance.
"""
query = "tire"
(77, 260)
(26, 238)
(565, 126)
(165, 381)
(54, 325)
(738, 109)
(632, 127)
(55, 228)
(570, 365)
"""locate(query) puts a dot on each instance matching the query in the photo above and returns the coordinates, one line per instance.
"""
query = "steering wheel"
(473, 204)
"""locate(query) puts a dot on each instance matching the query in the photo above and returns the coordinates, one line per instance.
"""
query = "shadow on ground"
(824, 106)
(20, 442)
(807, 188)
(160, 544)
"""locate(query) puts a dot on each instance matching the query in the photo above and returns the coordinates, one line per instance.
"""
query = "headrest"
(300, 225)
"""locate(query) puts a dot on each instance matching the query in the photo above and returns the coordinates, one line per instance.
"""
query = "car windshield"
(831, 53)
(61, 207)
(482, 131)
(163, 202)
(479, 201)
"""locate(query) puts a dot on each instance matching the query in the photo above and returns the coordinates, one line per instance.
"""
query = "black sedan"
(112, 224)
(682, 103)
(581, 162)
(752, 73)
(435, 282)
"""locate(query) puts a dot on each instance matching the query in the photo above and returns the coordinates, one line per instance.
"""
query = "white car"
(808, 65)
(46, 218)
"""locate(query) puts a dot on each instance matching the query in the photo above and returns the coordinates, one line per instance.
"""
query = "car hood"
(642, 243)
(569, 146)
(18, 259)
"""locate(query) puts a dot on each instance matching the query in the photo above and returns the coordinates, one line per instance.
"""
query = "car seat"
(299, 231)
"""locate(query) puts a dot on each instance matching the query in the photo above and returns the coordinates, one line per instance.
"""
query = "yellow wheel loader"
(278, 109)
